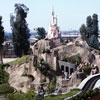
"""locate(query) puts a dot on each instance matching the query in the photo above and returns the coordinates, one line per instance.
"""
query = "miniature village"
(55, 66)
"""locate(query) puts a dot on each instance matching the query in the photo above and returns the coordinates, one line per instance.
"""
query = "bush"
(4, 76)
(54, 82)
(73, 59)
(87, 69)
(31, 91)
(87, 95)
(45, 69)
(20, 96)
(6, 88)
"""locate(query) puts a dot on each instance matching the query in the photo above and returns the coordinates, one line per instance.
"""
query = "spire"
(53, 13)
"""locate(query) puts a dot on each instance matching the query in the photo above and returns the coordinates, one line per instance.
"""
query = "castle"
(54, 30)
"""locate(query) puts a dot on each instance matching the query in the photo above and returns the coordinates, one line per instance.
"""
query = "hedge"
(6, 88)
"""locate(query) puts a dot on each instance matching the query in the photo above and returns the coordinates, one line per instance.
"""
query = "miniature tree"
(20, 30)
(41, 32)
(89, 33)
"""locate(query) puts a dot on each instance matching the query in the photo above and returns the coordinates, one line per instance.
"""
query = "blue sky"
(71, 13)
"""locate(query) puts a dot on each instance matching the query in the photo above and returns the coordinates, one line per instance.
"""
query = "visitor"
(66, 75)
(63, 75)
(38, 90)
(41, 90)
(58, 89)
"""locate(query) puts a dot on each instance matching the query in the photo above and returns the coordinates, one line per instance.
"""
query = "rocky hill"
(24, 75)
(51, 52)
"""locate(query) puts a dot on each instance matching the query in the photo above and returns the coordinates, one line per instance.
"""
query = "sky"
(71, 13)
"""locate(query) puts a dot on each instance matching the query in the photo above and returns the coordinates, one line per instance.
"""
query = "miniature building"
(54, 30)
(67, 67)
(8, 49)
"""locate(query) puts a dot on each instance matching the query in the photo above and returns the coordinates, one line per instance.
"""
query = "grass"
(19, 60)
(62, 97)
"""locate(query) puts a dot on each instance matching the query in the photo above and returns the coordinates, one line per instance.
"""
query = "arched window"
(67, 69)
(62, 67)
(71, 70)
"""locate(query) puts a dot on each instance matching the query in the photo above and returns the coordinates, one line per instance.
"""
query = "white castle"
(54, 30)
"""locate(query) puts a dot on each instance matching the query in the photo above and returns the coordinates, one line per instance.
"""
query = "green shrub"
(45, 69)
(31, 91)
(54, 82)
(87, 69)
(87, 95)
(6, 88)
(43, 62)
(16, 96)
(4, 76)
(20, 96)
(4, 65)
(73, 59)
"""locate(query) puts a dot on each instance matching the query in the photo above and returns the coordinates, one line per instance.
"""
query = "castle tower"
(54, 30)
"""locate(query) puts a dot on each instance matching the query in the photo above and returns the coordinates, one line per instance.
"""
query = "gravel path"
(6, 60)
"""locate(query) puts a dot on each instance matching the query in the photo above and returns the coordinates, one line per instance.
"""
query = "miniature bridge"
(90, 82)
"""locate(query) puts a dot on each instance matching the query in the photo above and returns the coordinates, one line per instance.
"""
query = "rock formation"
(24, 76)
(51, 50)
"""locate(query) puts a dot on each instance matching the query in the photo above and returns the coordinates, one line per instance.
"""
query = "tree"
(95, 24)
(20, 30)
(1, 39)
(89, 26)
(4, 76)
(41, 32)
(83, 31)
(89, 33)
